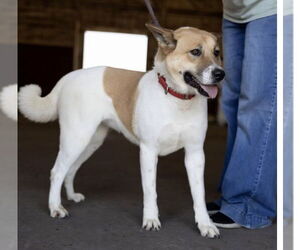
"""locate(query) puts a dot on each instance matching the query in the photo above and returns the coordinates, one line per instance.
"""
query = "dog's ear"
(164, 37)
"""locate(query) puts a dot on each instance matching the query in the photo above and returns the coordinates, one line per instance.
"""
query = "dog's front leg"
(148, 161)
(194, 162)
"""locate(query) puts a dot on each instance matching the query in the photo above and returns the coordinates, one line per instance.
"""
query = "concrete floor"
(111, 216)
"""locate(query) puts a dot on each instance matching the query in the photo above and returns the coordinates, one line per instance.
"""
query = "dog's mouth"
(210, 91)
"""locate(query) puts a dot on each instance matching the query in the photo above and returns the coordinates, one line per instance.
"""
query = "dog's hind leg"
(74, 138)
(95, 143)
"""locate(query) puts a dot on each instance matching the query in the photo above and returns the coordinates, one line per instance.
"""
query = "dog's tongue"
(212, 91)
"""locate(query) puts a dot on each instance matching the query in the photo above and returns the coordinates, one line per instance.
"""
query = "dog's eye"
(196, 52)
(216, 52)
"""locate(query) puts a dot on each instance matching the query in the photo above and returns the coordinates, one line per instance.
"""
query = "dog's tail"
(8, 101)
(37, 108)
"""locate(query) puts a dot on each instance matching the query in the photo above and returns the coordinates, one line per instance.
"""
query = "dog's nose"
(218, 74)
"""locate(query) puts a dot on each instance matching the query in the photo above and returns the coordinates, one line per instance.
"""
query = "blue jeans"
(248, 184)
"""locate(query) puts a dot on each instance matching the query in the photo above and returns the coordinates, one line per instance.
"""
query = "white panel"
(120, 50)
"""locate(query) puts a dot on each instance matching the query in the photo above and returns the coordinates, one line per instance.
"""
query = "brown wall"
(52, 22)
(43, 65)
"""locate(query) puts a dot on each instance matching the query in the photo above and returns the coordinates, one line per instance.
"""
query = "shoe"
(223, 221)
(212, 208)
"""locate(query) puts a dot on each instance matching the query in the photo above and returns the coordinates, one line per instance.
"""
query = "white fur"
(8, 101)
(38, 109)
(162, 124)
(206, 76)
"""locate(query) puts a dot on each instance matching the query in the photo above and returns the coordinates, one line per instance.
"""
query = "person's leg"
(233, 53)
(233, 47)
(249, 183)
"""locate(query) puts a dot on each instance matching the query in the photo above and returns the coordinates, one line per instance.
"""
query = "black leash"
(151, 12)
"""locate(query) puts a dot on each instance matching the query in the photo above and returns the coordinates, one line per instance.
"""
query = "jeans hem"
(245, 219)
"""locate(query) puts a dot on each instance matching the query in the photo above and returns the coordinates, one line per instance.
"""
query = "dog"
(162, 111)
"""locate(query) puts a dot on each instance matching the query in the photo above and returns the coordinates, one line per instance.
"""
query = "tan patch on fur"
(121, 85)
(191, 37)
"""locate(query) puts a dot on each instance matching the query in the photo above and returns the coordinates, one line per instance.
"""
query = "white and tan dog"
(162, 111)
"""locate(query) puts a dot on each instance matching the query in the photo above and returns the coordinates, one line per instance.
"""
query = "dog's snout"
(218, 74)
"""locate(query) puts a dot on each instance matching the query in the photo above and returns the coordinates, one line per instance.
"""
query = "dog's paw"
(59, 212)
(77, 197)
(151, 224)
(209, 230)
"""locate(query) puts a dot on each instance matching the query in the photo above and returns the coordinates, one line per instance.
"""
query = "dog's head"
(191, 57)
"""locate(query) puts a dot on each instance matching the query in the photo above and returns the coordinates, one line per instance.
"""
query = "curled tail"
(8, 101)
(37, 108)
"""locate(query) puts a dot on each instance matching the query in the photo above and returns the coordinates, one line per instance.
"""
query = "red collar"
(168, 89)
